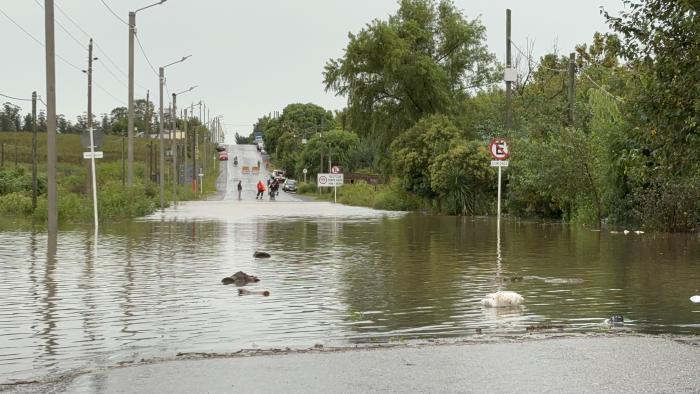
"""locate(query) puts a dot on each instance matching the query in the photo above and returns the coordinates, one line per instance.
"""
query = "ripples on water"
(338, 275)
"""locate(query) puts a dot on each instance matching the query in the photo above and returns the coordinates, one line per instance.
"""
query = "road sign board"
(305, 171)
(336, 170)
(499, 163)
(97, 136)
(98, 155)
(499, 149)
(330, 180)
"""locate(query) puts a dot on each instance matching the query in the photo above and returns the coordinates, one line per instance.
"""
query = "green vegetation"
(424, 99)
(115, 201)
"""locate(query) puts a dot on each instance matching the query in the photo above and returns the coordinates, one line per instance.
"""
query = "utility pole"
(572, 82)
(51, 158)
(509, 93)
(92, 139)
(130, 128)
(148, 115)
(34, 179)
(161, 180)
(194, 152)
(173, 148)
(184, 148)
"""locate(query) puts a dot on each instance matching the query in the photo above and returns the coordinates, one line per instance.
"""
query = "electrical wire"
(64, 28)
(14, 98)
(620, 99)
(114, 13)
(143, 51)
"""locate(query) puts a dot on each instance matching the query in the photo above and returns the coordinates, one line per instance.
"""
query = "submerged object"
(261, 255)
(249, 292)
(615, 320)
(695, 299)
(240, 278)
(502, 299)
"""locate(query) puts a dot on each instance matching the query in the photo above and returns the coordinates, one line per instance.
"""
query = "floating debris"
(261, 255)
(502, 299)
(695, 299)
(250, 292)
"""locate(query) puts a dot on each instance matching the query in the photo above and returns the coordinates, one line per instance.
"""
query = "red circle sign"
(499, 149)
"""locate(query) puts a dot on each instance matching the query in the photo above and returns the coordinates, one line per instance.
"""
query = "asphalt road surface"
(618, 364)
(248, 156)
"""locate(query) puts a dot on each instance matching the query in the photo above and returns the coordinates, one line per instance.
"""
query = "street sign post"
(96, 155)
(331, 180)
(305, 171)
(499, 150)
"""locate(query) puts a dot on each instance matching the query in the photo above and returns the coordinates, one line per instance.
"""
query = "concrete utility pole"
(147, 121)
(92, 138)
(509, 93)
(572, 82)
(130, 129)
(161, 174)
(34, 160)
(130, 115)
(51, 156)
(173, 148)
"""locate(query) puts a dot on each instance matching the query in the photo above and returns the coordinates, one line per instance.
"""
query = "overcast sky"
(249, 57)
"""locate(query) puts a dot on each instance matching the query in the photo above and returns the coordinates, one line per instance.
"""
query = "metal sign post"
(499, 150)
(331, 180)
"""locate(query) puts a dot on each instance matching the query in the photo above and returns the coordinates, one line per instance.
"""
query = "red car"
(223, 156)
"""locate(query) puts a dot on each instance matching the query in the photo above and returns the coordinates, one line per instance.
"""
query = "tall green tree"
(423, 60)
(660, 41)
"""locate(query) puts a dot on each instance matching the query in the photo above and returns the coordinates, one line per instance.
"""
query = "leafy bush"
(18, 179)
(15, 204)
(394, 198)
(358, 193)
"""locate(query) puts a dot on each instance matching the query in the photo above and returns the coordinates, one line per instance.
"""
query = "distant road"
(249, 156)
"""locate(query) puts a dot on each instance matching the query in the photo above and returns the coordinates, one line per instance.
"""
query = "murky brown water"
(338, 275)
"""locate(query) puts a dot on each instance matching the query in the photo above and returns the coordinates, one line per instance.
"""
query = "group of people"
(272, 186)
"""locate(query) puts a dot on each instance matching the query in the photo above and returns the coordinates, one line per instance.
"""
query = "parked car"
(279, 175)
(290, 186)
(223, 156)
(220, 147)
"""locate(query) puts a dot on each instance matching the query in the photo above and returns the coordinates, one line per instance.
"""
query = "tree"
(660, 41)
(423, 60)
(339, 146)
(28, 123)
(9, 117)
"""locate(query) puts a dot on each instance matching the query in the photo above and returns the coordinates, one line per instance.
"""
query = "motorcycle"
(235, 161)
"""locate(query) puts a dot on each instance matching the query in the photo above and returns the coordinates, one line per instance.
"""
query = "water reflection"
(336, 276)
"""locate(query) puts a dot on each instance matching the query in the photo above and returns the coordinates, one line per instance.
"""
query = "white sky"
(249, 57)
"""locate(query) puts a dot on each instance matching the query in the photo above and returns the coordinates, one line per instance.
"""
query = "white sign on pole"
(97, 155)
(330, 180)
(499, 163)
(305, 171)
(336, 170)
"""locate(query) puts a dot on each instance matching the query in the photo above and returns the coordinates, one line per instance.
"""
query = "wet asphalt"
(619, 364)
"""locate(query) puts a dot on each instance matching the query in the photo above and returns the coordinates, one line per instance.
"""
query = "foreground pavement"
(621, 364)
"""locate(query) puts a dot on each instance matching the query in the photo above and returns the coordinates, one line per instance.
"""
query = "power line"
(114, 13)
(602, 88)
(145, 56)
(15, 98)
(21, 28)
(64, 29)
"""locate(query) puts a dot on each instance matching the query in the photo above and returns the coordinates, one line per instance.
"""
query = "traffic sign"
(98, 155)
(330, 180)
(499, 163)
(305, 171)
(97, 136)
(499, 149)
(336, 170)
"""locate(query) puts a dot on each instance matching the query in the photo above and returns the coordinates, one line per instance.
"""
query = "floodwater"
(338, 275)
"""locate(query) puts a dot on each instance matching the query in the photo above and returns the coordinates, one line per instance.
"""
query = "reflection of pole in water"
(498, 253)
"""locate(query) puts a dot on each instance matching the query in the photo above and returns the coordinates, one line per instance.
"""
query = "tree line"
(115, 122)
(424, 99)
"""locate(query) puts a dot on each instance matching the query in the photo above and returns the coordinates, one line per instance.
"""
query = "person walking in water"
(261, 190)
(240, 188)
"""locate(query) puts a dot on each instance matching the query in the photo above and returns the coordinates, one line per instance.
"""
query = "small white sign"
(330, 180)
(98, 155)
(305, 171)
(336, 170)
(499, 163)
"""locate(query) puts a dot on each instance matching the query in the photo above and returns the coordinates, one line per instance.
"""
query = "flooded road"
(338, 275)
